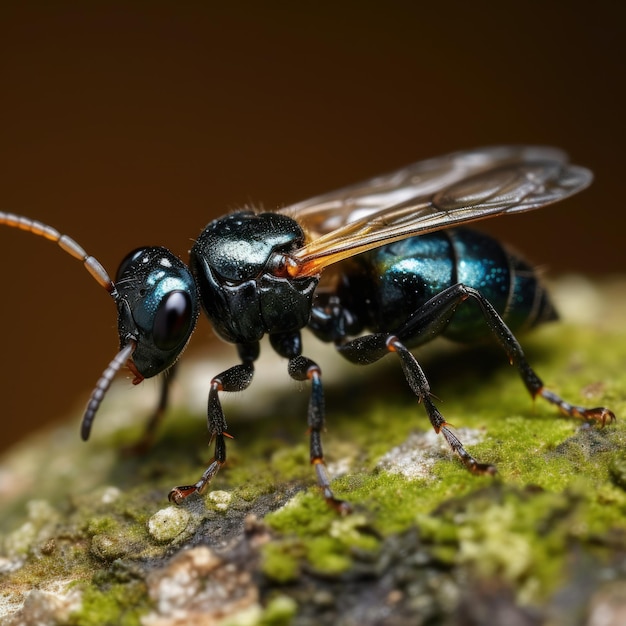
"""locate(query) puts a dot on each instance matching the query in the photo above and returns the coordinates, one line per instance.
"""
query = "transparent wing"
(431, 195)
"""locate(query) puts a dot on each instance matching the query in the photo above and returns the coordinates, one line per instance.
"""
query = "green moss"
(289, 460)
(108, 547)
(280, 611)
(520, 537)
(113, 605)
(327, 556)
(508, 533)
(103, 524)
(251, 490)
(560, 488)
(281, 561)
(617, 469)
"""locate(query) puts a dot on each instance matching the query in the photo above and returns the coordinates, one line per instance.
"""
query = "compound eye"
(128, 261)
(173, 320)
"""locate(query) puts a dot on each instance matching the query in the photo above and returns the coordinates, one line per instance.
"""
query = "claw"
(178, 494)
(483, 469)
(599, 414)
(341, 506)
(468, 460)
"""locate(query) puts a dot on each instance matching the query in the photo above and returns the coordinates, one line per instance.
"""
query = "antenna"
(95, 268)
(103, 385)
(92, 265)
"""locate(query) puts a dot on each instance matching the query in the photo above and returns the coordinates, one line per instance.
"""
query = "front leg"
(154, 420)
(236, 378)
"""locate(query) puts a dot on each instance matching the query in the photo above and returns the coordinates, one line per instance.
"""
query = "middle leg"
(303, 369)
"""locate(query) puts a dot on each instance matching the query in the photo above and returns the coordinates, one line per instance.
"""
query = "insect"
(375, 268)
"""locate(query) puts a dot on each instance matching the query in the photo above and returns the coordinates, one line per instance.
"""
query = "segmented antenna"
(95, 268)
(92, 265)
(103, 384)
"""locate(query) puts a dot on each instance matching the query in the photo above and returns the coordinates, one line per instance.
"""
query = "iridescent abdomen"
(387, 285)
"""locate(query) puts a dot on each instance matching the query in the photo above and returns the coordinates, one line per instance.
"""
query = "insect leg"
(370, 348)
(289, 345)
(153, 421)
(516, 356)
(301, 368)
(434, 315)
(236, 378)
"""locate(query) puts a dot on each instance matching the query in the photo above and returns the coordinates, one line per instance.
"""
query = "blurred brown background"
(136, 123)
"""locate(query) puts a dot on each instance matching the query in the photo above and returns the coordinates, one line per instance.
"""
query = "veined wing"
(428, 196)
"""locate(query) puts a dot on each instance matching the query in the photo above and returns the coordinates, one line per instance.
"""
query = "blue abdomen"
(389, 284)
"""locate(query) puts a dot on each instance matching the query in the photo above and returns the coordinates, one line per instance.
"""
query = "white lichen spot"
(41, 511)
(8, 565)
(198, 587)
(21, 539)
(109, 547)
(220, 499)
(53, 603)
(41, 523)
(414, 459)
(168, 523)
(339, 468)
(110, 495)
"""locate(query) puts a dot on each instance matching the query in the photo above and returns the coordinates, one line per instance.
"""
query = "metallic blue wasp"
(377, 267)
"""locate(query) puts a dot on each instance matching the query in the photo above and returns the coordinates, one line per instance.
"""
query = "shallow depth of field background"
(128, 124)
